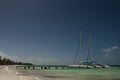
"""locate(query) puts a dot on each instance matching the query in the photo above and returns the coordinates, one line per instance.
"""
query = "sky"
(48, 31)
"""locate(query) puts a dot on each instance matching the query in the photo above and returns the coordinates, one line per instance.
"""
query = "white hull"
(106, 66)
(80, 66)
(88, 66)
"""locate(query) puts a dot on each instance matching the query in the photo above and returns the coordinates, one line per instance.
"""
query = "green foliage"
(7, 61)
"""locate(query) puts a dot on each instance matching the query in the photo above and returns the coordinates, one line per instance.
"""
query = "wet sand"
(8, 74)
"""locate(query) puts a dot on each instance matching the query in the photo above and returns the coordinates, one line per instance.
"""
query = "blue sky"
(48, 31)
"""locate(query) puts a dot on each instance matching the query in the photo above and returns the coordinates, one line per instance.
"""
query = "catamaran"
(89, 63)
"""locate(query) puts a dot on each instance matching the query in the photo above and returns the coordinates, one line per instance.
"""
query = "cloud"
(4, 55)
(34, 60)
(110, 49)
(106, 50)
(39, 60)
(111, 55)
(114, 47)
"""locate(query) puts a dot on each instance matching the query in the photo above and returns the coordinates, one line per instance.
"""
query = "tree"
(7, 61)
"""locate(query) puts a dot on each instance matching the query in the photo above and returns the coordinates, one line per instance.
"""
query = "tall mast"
(80, 47)
(90, 53)
(91, 48)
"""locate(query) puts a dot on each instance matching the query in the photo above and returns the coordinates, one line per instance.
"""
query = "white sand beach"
(8, 74)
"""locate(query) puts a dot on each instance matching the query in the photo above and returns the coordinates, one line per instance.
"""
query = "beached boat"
(89, 63)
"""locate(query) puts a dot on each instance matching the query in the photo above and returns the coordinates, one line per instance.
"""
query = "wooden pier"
(45, 67)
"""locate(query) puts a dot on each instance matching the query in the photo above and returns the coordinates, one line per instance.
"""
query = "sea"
(112, 73)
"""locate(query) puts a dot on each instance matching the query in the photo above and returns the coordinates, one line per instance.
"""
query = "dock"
(45, 67)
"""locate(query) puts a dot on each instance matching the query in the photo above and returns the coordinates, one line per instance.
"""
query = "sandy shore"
(8, 74)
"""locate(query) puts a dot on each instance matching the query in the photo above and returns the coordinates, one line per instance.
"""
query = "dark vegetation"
(7, 61)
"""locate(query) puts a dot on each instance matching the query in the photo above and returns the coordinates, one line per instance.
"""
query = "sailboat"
(83, 64)
(89, 63)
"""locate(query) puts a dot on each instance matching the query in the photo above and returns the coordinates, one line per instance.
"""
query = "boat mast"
(80, 47)
(90, 53)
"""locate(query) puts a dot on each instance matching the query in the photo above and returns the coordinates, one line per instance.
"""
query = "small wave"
(7, 69)
(36, 78)
(17, 73)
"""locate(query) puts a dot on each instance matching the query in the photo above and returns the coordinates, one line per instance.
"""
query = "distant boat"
(89, 63)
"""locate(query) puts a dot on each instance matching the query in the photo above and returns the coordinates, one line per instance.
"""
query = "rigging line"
(90, 50)
(76, 55)
(88, 56)
(81, 41)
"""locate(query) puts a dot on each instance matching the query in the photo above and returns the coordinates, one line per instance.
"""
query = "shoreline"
(11, 74)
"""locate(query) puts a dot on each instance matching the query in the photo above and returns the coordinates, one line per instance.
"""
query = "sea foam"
(36, 78)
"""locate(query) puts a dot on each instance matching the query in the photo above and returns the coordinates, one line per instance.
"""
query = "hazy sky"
(48, 31)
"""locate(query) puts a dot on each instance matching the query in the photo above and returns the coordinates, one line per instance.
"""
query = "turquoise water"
(112, 73)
